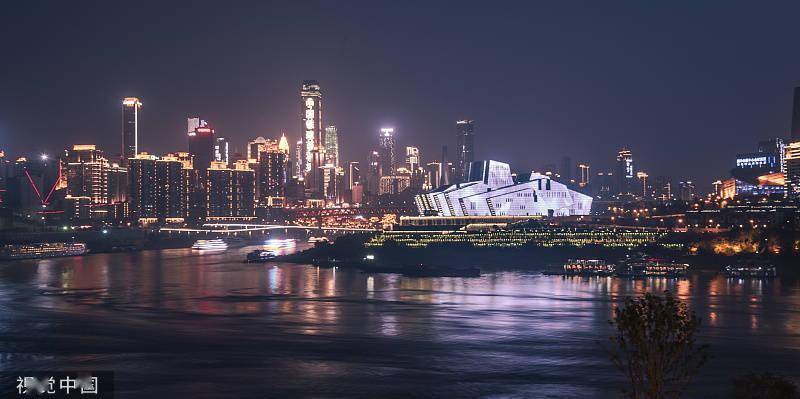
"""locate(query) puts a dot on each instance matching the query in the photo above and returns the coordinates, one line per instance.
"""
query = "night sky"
(684, 85)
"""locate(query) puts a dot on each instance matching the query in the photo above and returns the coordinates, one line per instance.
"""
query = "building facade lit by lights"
(332, 146)
(373, 174)
(283, 144)
(130, 128)
(394, 184)
(142, 186)
(230, 192)
(299, 169)
(311, 111)
(490, 190)
(465, 134)
(625, 173)
(758, 173)
(386, 149)
(221, 150)
(271, 177)
(792, 162)
(193, 122)
(87, 173)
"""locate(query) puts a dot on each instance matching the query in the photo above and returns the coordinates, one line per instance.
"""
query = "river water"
(182, 323)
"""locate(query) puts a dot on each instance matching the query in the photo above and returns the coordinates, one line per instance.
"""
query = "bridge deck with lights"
(251, 227)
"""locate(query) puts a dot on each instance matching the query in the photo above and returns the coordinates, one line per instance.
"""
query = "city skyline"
(632, 102)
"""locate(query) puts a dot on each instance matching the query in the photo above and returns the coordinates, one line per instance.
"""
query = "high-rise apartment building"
(170, 190)
(130, 128)
(465, 131)
(792, 162)
(142, 185)
(230, 192)
(87, 173)
(271, 177)
(201, 146)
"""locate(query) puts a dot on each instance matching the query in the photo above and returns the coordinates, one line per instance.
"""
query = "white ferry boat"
(42, 250)
(210, 245)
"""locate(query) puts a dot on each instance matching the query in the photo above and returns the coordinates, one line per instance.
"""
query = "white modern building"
(490, 190)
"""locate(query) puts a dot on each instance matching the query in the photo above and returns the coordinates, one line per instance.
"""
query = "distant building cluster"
(212, 180)
(209, 180)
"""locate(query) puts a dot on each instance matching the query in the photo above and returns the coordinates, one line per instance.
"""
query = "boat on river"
(654, 267)
(751, 269)
(585, 267)
(260, 256)
(42, 250)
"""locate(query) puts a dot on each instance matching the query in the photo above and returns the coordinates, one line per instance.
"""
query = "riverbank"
(350, 251)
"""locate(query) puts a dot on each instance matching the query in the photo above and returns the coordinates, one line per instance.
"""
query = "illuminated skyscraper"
(283, 144)
(87, 173)
(193, 122)
(170, 192)
(221, 150)
(257, 146)
(130, 128)
(388, 158)
(625, 172)
(466, 148)
(353, 174)
(230, 192)
(311, 111)
(792, 161)
(299, 166)
(271, 177)
(412, 159)
(142, 184)
(201, 145)
(373, 173)
(331, 146)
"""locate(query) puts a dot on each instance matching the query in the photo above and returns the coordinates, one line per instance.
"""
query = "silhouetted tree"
(655, 346)
(764, 386)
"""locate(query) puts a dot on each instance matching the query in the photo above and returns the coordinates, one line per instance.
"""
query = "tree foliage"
(655, 346)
